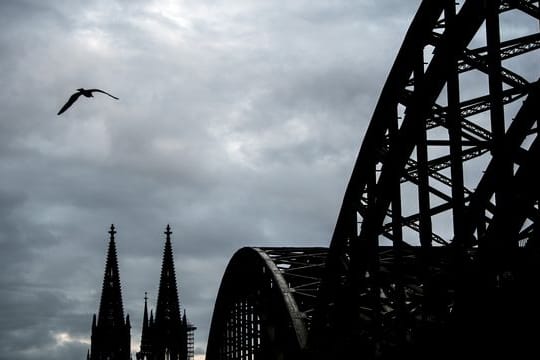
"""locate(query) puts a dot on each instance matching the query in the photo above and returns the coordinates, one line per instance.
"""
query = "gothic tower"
(168, 336)
(146, 333)
(110, 331)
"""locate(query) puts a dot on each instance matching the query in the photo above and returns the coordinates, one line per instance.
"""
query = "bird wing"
(104, 92)
(71, 100)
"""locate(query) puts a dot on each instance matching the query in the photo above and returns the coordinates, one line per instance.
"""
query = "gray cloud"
(238, 124)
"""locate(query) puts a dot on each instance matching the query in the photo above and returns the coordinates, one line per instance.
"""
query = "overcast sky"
(238, 124)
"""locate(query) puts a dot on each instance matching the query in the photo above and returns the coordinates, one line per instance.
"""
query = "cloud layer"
(238, 124)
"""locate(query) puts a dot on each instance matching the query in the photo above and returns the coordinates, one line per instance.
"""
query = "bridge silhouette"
(436, 248)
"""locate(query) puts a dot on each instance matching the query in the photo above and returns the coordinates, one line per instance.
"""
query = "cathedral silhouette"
(166, 336)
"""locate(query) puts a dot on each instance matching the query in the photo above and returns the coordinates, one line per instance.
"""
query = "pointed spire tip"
(168, 232)
(112, 231)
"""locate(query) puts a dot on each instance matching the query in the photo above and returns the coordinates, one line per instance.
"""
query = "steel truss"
(438, 229)
(436, 249)
(265, 303)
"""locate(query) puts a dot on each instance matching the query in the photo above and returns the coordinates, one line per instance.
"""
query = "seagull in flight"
(85, 92)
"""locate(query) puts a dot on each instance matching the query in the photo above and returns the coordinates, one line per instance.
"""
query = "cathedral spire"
(166, 335)
(111, 311)
(145, 315)
(170, 335)
(168, 305)
(111, 331)
(146, 334)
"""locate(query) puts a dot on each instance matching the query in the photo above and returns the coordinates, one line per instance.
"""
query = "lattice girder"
(265, 303)
(411, 185)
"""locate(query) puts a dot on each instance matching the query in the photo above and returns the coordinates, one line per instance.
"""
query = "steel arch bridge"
(265, 303)
(436, 249)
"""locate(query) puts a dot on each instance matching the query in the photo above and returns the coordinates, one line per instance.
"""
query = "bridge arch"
(442, 207)
(265, 302)
(439, 230)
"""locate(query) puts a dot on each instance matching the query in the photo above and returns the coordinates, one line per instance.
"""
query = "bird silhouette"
(85, 92)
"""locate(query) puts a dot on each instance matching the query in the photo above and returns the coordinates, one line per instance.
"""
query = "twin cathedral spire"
(167, 336)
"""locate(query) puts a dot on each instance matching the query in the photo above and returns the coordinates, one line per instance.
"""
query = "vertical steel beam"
(368, 245)
(397, 232)
(454, 132)
(501, 158)
(370, 257)
(422, 159)
(235, 330)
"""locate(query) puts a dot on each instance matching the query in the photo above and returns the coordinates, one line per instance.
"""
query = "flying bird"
(85, 92)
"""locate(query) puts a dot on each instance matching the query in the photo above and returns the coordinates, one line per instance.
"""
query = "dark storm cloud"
(237, 123)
